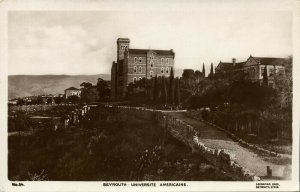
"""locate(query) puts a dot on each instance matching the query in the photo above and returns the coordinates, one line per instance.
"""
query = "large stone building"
(254, 67)
(134, 64)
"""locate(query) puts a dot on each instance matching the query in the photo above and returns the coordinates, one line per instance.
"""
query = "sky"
(84, 42)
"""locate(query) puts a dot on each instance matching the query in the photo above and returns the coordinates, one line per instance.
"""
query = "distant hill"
(26, 85)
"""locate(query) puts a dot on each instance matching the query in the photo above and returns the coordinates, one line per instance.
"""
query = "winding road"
(214, 138)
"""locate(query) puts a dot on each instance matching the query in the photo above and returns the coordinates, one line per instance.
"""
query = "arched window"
(162, 60)
(167, 60)
(162, 70)
(135, 59)
(134, 80)
(140, 78)
(151, 73)
(151, 63)
(140, 69)
(167, 70)
(134, 69)
(140, 59)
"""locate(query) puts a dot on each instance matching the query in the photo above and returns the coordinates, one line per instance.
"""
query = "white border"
(14, 5)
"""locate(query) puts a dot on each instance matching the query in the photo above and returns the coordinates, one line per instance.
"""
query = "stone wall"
(28, 108)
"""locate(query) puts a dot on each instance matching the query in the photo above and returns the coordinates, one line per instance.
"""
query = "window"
(162, 60)
(151, 74)
(162, 70)
(167, 70)
(135, 59)
(134, 69)
(167, 60)
(151, 63)
(140, 59)
(281, 71)
(271, 72)
(134, 80)
(140, 78)
(140, 69)
(262, 69)
(151, 56)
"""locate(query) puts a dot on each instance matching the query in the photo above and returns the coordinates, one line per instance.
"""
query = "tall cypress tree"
(177, 91)
(211, 75)
(155, 89)
(171, 87)
(164, 96)
(203, 70)
(265, 77)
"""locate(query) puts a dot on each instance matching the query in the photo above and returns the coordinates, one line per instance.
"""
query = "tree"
(164, 96)
(49, 100)
(177, 92)
(73, 99)
(39, 100)
(102, 88)
(58, 100)
(86, 84)
(171, 87)
(211, 75)
(265, 77)
(155, 90)
(203, 70)
(20, 102)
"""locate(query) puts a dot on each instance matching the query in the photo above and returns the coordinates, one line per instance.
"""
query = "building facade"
(72, 91)
(254, 67)
(134, 64)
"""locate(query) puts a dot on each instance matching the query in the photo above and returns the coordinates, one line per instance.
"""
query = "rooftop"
(71, 88)
(269, 60)
(144, 51)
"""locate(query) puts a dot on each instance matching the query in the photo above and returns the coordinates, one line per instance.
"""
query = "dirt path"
(216, 139)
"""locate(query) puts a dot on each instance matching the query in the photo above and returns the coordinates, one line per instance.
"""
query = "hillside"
(26, 85)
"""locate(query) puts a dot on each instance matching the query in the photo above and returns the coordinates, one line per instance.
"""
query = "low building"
(225, 67)
(71, 91)
(253, 68)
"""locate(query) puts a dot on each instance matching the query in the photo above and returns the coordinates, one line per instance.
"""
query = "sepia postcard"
(197, 95)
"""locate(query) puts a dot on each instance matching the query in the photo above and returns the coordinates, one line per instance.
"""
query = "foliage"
(164, 94)
(86, 84)
(73, 99)
(171, 87)
(20, 101)
(103, 89)
(59, 100)
(37, 176)
(265, 77)
(177, 92)
(89, 94)
(211, 74)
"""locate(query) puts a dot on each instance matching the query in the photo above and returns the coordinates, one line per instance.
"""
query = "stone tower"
(123, 44)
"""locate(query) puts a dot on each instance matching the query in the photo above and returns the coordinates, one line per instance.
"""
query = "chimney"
(233, 61)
